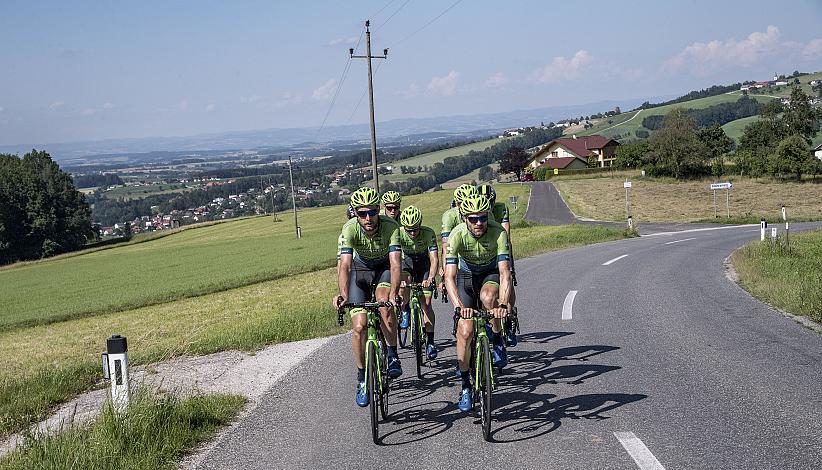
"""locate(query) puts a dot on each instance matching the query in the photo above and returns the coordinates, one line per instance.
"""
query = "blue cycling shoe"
(500, 356)
(465, 403)
(405, 319)
(394, 367)
(362, 395)
(458, 373)
(431, 351)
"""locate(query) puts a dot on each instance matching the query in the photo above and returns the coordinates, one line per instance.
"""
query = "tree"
(750, 162)
(486, 173)
(514, 161)
(631, 155)
(677, 147)
(715, 139)
(800, 117)
(127, 232)
(41, 212)
(793, 156)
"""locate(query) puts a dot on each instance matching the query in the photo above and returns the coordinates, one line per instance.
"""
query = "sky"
(92, 70)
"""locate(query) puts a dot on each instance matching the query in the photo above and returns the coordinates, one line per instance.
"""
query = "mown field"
(667, 200)
(293, 307)
(434, 157)
(790, 280)
(137, 192)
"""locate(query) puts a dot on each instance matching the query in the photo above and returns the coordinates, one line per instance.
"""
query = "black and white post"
(627, 186)
(115, 368)
(787, 228)
(762, 226)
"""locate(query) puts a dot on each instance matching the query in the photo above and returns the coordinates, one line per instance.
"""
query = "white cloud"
(210, 107)
(107, 105)
(88, 112)
(410, 92)
(444, 86)
(343, 41)
(813, 50)
(289, 99)
(561, 69)
(183, 105)
(56, 104)
(324, 91)
(1, 109)
(702, 59)
(497, 80)
(250, 99)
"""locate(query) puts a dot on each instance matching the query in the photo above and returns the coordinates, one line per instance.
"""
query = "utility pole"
(371, 96)
(293, 198)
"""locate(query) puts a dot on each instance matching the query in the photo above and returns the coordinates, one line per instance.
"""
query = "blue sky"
(88, 70)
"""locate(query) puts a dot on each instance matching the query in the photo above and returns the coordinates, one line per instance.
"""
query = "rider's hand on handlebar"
(403, 285)
(466, 312)
(499, 312)
(426, 283)
(338, 301)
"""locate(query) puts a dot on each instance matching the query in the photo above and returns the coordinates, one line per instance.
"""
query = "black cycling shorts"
(470, 284)
(363, 279)
(418, 267)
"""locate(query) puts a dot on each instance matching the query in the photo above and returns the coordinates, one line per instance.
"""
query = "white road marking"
(638, 451)
(683, 240)
(568, 305)
(708, 229)
(613, 260)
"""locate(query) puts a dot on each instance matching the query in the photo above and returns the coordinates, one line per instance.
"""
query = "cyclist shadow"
(542, 337)
(419, 422)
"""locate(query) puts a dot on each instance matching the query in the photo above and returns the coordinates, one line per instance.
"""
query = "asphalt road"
(548, 208)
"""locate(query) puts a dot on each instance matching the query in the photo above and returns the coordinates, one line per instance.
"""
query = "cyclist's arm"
(504, 282)
(343, 274)
(451, 285)
(395, 262)
(434, 258)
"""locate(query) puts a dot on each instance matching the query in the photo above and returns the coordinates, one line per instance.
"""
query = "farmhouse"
(600, 148)
(817, 151)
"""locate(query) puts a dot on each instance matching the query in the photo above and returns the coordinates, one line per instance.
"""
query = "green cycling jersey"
(450, 219)
(500, 213)
(474, 254)
(425, 241)
(374, 249)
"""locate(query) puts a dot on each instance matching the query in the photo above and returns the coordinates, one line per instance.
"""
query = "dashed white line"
(707, 229)
(613, 260)
(683, 240)
(568, 305)
(638, 451)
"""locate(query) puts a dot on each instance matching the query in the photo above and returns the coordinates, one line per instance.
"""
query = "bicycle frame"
(480, 331)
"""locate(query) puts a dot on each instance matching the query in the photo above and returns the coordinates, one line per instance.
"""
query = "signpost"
(627, 186)
(513, 200)
(727, 187)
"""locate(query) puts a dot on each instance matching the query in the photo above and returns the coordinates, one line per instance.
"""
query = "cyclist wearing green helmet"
(419, 265)
(451, 218)
(477, 274)
(391, 202)
(500, 215)
(370, 259)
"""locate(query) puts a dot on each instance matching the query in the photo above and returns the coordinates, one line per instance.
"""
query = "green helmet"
(365, 196)
(411, 217)
(464, 191)
(488, 191)
(474, 204)
(390, 197)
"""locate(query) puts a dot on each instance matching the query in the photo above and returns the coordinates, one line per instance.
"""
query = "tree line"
(718, 114)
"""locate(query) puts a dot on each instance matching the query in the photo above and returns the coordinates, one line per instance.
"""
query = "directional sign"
(514, 199)
(715, 186)
(626, 184)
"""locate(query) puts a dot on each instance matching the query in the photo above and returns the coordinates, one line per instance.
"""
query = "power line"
(383, 8)
(339, 87)
(428, 23)
(392, 15)
(362, 96)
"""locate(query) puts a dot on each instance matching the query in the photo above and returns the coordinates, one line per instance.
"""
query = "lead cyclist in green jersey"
(476, 268)
(420, 259)
(451, 218)
(370, 255)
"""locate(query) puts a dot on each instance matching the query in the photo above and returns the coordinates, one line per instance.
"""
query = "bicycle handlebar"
(478, 314)
(366, 305)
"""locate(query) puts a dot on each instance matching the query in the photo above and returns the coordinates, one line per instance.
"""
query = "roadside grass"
(668, 200)
(190, 263)
(790, 280)
(153, 433)
(437, 157)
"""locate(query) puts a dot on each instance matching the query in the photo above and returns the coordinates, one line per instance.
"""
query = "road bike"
(510, 326)
(416, 325)
(377, 381)
(481, 366)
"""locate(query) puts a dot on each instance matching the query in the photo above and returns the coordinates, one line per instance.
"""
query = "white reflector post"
(117, 352)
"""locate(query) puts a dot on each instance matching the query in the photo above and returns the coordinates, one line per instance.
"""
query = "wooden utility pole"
(371, 96)
(293, 198)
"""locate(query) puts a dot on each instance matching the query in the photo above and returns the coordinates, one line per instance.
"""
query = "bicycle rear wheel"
(373, 391)
(416, 335)
(485, 388)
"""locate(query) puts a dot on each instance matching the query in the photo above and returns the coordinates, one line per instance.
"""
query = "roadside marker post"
(727, 187)
(773, 237)
(762, 226)
(787, 229)
(627, 186)
(115, 368)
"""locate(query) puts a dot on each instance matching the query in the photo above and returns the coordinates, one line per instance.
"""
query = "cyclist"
(499, 211)
(451, 218)
(350, 212)
(370, 254)
(391, 202)
(477, 273)
(419, 265)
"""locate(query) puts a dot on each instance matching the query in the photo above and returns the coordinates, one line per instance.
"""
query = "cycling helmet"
(365, 196)
(391, 197)
(463, 191)
(488, 191)
(474, 204)
(350, 212)
(411, 217)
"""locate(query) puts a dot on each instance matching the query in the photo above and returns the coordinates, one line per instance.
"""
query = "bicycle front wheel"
(373, 391)
(485, 388)
(416, 318)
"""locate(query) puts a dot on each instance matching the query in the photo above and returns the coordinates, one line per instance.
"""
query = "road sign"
(626, 184)
(715, 186)
(556, 171)
(514, 199)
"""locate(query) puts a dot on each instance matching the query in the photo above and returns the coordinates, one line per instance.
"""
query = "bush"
(642, 133)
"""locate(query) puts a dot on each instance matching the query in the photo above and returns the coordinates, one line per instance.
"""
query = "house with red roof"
(602, 149)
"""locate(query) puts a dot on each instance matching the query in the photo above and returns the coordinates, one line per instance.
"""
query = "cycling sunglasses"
(392, 208)
(411, 231)
(367, 213)
(477, 219)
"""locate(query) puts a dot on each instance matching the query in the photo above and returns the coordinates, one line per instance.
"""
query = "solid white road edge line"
(698, 230)
(638, 451)
(683, 240)
(568, 305)
(613, 260)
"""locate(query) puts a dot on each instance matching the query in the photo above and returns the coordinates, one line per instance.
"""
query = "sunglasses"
(368, 213)
(411, 231)
(392, 208)
(477, 219)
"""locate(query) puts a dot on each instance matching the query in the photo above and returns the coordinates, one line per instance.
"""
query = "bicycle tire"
(402, 337)
(383, 384)
(486, 404)
(416, 322)
(373, 392)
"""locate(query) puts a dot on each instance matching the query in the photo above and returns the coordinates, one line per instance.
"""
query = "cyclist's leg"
(359, 286)
(465, 328)
(382, 292)
(489, 292)
(428, 313)
(405, 292)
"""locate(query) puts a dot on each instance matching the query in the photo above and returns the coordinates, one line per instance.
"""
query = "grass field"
(734, 129)
(434, 157)
(667, 200)
(137, 192)
(790, 280)
(466, 178)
